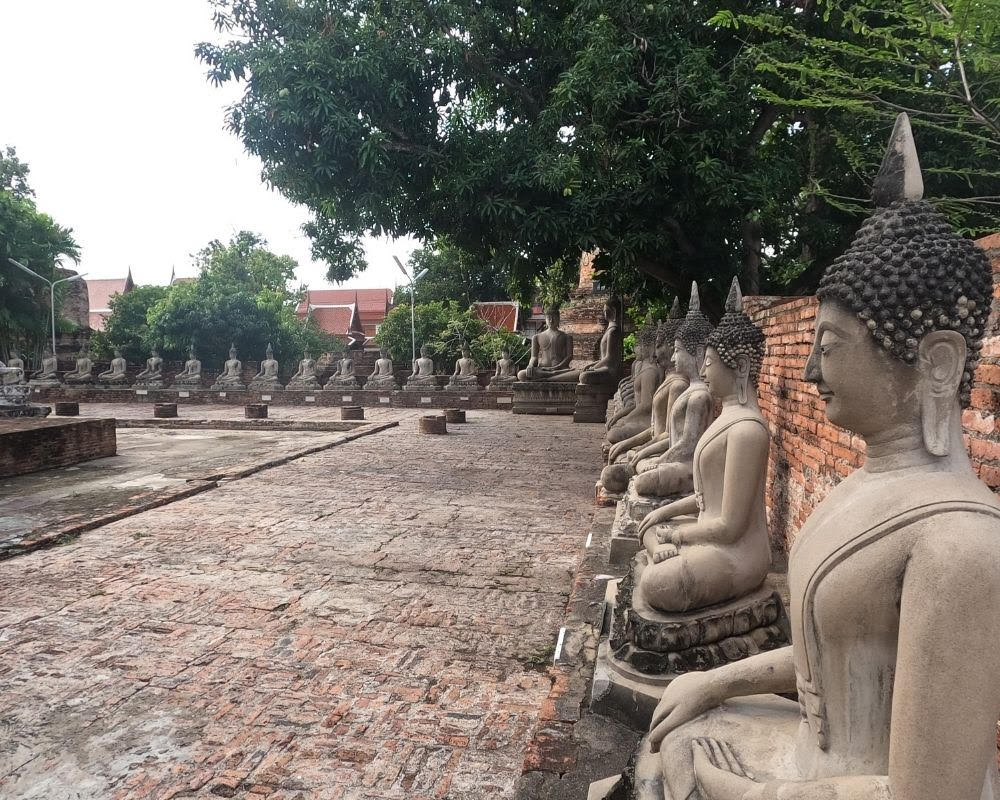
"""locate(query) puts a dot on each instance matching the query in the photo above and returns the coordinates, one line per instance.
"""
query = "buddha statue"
(344, 377)
(191, 374)
(231, 377)
(624, 398)
(627, 423)
(15, 362)
(267, 378)
(423, 376)
(608, 368)
(551, 351)
(506, 372)
(152, 376)
(47, 374)
(895, 578)
(83, 372)
(466, 375)
(382, 376)
(304, 380)
(639, 453)
(115, 374)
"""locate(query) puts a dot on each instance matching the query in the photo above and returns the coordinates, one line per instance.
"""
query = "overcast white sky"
(126, 143)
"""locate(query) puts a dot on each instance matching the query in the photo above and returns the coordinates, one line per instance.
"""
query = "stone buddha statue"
(231, 377)
(152, 376)
(624, 398)
(344, 377)
(551, 352)
(627, 423)
(466, 375)
(47, 374)
(115, 374)
(304, 379)
(382, 377)
(895, 578)
(608, 368)
(191, 374)
(630, 456)
(506, 372)
(267, 378)
(423, 376)
(15, 362)
(83, 372)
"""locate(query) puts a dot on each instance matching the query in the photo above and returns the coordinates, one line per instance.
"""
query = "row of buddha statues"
(880, 679)
(464, 378)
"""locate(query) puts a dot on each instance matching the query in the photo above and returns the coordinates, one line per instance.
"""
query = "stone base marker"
(165, 410)
(255, 410)
(67, 409)
(454, 415)
(432, 424)
(352, 412)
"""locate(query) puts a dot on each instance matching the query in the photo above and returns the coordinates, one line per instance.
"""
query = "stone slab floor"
(372, 621)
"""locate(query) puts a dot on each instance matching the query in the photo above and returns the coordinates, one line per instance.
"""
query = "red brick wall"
(809, 455)
(31, 444)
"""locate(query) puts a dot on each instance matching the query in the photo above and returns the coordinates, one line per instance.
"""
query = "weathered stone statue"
(506, 373)
(628, 423)
(305, 378)
(47, 374)
(624, 398)
(466, 375)
(640, 452)
(551, 352)
(895, 578)
(344, 377)
(382, 377)
(191, 374)
(83, 372)
(115, 374)
(423, 376)
(15, 362)
(231, 377)
(267, 378)
(608, 368)
(152, 376)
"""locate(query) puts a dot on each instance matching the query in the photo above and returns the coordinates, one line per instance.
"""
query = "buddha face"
(423, 351)
(552, 318)
(685, 363)
(864, 388)
(504, 355)
(724, 381)
(664, 353)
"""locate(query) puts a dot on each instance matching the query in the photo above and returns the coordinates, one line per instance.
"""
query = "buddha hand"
(719, 774)
(687, 697)
(664, 551)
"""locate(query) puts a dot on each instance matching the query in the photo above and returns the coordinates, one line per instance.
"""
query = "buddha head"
(689, 344)
(118, 352)
(466, 353)
(269, 352)
(734, 352)
(232, 351)
(382, 353)
(424, 350)
(552, 317)
(665, 335)
(307, 355)
(645, 342)
(901, 315)
(505, 354)
(192, 356)
(154, 352)
(612, 311)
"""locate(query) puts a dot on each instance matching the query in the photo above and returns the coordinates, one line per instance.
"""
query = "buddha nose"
(813, 373)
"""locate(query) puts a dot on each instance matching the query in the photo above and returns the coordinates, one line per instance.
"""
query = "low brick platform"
(544, 397)
(30, 444)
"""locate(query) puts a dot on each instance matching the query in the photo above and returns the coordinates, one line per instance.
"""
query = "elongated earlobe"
(941, 364)
(742, 379)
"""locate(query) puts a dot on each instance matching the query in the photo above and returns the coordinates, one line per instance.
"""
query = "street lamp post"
(52, 294)
(413, 290)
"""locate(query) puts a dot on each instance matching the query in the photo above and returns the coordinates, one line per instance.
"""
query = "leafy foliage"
(32, 238)
(127, 325)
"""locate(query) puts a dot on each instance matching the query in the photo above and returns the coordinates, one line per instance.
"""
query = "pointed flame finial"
(675, 309)
(734, 302)
(899, 177)
(695, 304)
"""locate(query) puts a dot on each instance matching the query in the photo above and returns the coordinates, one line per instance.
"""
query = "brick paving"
(372, 621)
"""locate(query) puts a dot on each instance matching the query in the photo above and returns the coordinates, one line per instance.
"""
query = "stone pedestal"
(432, 424)
(454, 415)
(341, 384)
(544, 397)
(165, 410)
(352, 412)
(255, 410)
(592, 402)
(266, 386)
(632, 509)
(67, 409)
(642, 650)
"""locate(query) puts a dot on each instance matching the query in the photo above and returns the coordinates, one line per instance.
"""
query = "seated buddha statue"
(344, 377)
(506, 373)
(666, 465)
(466, 374)
(423, 376)
(231, 377)
(191, 374)
(47, 374)
(152, 376)
(551, 352)
(83, 372)
(608, 367)
(14, 362)
(382, 376)
(115, 373)
(267, 377)
(895, 578)
(626, 424)
(630, 456)
(304, 378)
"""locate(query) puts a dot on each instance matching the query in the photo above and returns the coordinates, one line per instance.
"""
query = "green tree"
(32, 238)
(429, 322)
(127, 325)
(453, 274)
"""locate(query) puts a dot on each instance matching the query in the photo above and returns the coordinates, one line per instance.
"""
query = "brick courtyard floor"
(371, 621)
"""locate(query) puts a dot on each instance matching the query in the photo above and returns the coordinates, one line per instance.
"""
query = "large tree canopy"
(673, 136)
(452, 274)
(32, 238)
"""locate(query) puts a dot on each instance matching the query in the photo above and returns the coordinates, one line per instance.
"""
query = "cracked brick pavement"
(372, 621)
